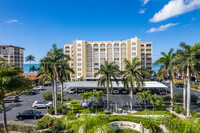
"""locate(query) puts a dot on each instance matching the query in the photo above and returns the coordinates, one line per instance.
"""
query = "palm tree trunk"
(4, 117)
(61, 92)
(153, 112)
(145, 108)
(188, 92)
(108, 103)
(88, 106)
(55, 94)
(52, 81)
(184, 92)
(30, 67)
(131, 100)
(172, 92)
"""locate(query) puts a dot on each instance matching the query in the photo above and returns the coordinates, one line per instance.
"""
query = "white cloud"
(175, 8)
(161, 28)
(142, 11)
(145, 1)
(12, 21)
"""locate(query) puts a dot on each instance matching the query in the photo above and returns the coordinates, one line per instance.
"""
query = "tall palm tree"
(107, 72)
(154, 101)
(190, 53)
(53, 57)
(98, 95)
(30, 58)
(44, 75)
(64, 71)
(33, 69)
(167, 69)
(133, 74)
(85, 97)
(144, 97)
(10, 80)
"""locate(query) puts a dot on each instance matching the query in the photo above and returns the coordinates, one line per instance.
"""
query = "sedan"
(29, 114)
(72, 91)
(124, 91)
(80, 90)
(47, 84)
(11, 99)
(115, 91)
(38, 88)
(41, 104)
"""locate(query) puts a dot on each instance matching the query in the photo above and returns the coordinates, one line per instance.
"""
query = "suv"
(115, 91)
(41, 104)
(80, 90)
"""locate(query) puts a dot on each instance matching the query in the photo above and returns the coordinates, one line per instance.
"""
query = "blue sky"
(37, 24)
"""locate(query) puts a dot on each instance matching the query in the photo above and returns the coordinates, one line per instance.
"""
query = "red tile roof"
(11, 46)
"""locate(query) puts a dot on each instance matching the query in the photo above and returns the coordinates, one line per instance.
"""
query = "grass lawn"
(149, 111)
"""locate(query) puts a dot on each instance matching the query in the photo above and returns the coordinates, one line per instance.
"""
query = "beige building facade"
(87, 56)
(12, 55)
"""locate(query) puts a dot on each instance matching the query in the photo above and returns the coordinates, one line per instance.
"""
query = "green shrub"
(51, 111)
(178, 97)
(68, 126)
(58, 126)
(67, 98)
(166, 98)
(47, 96)
(19, 126)
(177, 110)
(60, 109)
(184, 112)
(43, 123)
(194, 98)
(71, 116)
(46, 131)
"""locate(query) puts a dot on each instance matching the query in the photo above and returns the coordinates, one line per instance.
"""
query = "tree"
(98, 95)
(144, 97)
(30, 58)
(10, 80)
(44, 75)
(107, 72)
(133, 74)
(64, 71)
(191, 60)
(33, 69)
(86, 96)
(154, 101)
(167, 69)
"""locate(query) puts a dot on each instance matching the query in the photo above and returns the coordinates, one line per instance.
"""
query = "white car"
(80, 90)
(72, 91)
(41, 104)
(85, 103)
(115, 91)
(38, 88)
(167, 81)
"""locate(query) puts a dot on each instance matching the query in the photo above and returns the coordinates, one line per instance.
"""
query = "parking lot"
(26, 102)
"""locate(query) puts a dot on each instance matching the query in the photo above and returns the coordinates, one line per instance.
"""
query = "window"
(5, 52)
(103, 49)
(148, 67)
(11, 48)
(116, 59)
(79, 69)
(5, 56)
(79, 74)
(142, 58)
(134, 53)
(133, 48)
(148, 50)
(79, 59)
(96, 68)
(11, 52)
(79, 54)
(102, 45)
(116, 45)
(67, 51)
(148, 45)
(142, 49)
(5, 47)
(79, 64)
(67, 47)
(148, 58)
(148, 54)
(79, 49)
(148, 63)
(96, 49)
(79, 45)
(12, 57)
(96, 63)
(133, 44)
(142, 45)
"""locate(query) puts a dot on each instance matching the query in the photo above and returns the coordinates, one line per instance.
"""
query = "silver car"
(41, 104)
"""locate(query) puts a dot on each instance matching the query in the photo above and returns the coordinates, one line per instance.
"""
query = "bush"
(58, 126)
(67, 98)
(60, 109)
(177, 110)
(193, 98)
(51, 111)
(166, 98)
(178, 97)
(47, 96)
(43, 123)
(195, 87)
(19, 127)
(184, 112)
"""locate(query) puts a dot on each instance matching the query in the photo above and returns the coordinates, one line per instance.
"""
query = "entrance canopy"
(94, 84)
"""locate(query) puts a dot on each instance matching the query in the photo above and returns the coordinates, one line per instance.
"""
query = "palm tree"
(107, 72)
(190, 53)
(85, 97)
(144, 97)
(98, 95)
(30, 58)
(167, 69)
(33, 69)
(133, 73)
(154, 101)
(10, 80)
(53, 57)
(64, 72)
(43, 74)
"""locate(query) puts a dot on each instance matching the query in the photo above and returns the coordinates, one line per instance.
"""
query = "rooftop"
(11, 46)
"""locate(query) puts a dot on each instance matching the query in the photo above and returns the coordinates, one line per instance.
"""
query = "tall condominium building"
(87, 56)
(12, 55)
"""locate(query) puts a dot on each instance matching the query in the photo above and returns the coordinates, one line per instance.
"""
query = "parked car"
(115, 91)
(167, 81)
(179, 85)
(47, 84)
(72, 91)
(30, 92)
(85, 103)
(100, 103)
(38, 88)
(124, 91)
(198, 100)
(80, 90)
(163, 92)
(11, 99)
(29, 114)
(41, 104)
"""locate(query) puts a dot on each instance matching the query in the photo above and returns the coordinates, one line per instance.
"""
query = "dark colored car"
(100, 104)
(29, 114)
(179, 85)
(124, 91)
(47, 84)
(11, 99)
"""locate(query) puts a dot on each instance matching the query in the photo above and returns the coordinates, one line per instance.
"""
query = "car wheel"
(20, 118)
(35, 107)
